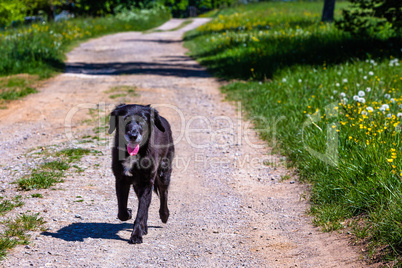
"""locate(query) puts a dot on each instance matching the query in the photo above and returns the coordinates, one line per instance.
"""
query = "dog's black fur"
(149, 169)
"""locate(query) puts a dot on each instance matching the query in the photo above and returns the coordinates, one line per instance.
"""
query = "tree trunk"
(328, 11)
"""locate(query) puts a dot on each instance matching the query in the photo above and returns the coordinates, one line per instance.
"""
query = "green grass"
(39, 49)
(49, 173)
(122, 93)
(300, 78)
(8, 205)
(14, 232)
(73, 154)
(15, 87)
(40, 180)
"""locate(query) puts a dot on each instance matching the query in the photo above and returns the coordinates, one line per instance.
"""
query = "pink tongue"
(133, 151)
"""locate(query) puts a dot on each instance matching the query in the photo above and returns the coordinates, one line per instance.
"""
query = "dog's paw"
(135, 239)
(125, 216)
(164, 215)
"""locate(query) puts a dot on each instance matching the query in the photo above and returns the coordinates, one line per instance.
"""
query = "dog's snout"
(133, 135)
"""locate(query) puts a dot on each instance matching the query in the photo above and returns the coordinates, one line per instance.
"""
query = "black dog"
(142, 156)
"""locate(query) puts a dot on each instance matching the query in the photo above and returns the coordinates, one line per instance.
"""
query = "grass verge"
(39, 49)
(330, 101)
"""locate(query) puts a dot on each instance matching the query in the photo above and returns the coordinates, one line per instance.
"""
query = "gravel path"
(228, 208)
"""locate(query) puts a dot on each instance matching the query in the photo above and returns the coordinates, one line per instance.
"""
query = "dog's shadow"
(79, 231)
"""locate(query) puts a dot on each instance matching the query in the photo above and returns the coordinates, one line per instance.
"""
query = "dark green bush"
(366, 17)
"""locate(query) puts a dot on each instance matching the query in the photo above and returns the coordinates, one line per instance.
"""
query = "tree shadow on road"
(79, 231)
(167, 68)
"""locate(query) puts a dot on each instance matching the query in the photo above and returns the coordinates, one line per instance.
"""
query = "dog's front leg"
(122, 191)
(144, 194)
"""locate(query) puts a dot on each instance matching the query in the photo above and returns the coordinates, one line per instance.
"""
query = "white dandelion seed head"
(368, 89)
(299, 80)
(355, 98)
(335, 91)
(394, 62)
(357, 84)
(337, 84)
(371, 73)
(345, 80)
(384, 107)
(345, 100)
(364, 113)
(361, 93)
(392, 100)
(399, 115)
(365, 77)
(343, 94)
(389, 115)
(370, 109)
(361, 100)
(387, 96)
(283, 80)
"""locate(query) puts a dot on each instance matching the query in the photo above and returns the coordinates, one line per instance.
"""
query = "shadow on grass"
(80, 231)
(260, 60)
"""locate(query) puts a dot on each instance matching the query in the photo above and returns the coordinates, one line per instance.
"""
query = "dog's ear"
(113, 117)
(157, 120)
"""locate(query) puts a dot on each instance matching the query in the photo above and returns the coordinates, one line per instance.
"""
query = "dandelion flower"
(355, 97)
(370, 109)
(364, 113)
(365, 77)
(387, 96)
(371, 73)
(283, 80)
(361, 93)
(384, 107)
(345, 80)
(394, 62)
(300, 81)
(361, 100)
(399, 115)
(337, 84)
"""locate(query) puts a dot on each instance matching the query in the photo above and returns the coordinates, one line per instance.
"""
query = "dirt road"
(228, 208)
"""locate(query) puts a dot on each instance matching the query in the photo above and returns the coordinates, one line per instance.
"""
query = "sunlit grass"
(40, 49)
(14, 232)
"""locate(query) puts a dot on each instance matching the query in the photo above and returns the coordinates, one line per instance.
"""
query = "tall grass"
(335, 101)
(40, 48)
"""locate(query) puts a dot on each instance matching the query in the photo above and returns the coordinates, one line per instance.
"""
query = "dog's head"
(134, 125)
